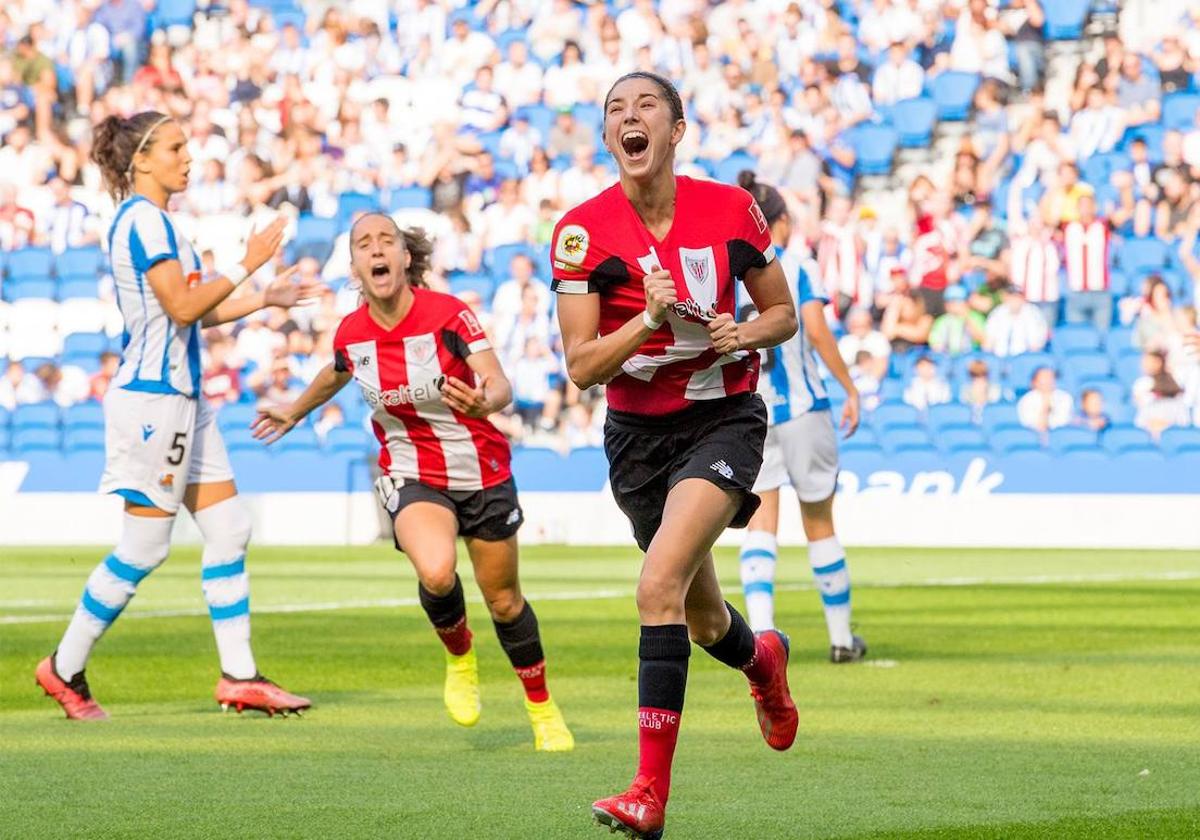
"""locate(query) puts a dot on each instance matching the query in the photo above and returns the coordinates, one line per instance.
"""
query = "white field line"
(627, 592)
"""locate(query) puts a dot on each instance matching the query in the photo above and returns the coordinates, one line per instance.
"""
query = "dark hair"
(416, 243)
(115, 141)
(769, 200)
(1164, 386)
(664, 85)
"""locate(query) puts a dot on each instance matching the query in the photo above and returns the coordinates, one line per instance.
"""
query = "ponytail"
(115, 143)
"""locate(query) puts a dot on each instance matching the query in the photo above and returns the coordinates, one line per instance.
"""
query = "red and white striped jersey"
(1086, 248)
(932, 248)
(401, 372)
(1034, 268)
(718, 234)
(839, 259)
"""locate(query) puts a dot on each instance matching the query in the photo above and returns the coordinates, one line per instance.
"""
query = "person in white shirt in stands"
(862, 335)
(1015, 327)
(506, 304)
(1045, 406)
(71, 224)
(897, 78)
(518, 79)
(928, 387)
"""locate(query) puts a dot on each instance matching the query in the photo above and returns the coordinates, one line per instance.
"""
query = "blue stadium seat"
(895, 437)
(863, 434)
(1071, 337)
(949, 416)
(239, 435)
(43, 415)
(174, 13)
(79, 262)
(35, 439)
(29, 288)
(727, 170)
(88, 415)
(314, 237)
(541, 117)
(350, 203)
(348, 439)
(853, 446)
(236, 416)
(953, 92)
(32, 363)
(1098, 169)
(285, 16)
(1119, 438)
(85, 343)
(588, 465)
(1022, 367)
(483, 284)
(1138, 256)
(914, 119)
(1065, 19)
(874, 148)
(890, 415)
(1010, 439)
(499, 259)
(1179, 111)
(30, 264)
(1129, 368)
(5, 417)
(923, 450)
(589, 115)
(89, 363)
(70, 288)
(1152, 133)
(1140, 458)
(967, 451)
(4, 441)
(1120, 413)
(1000, 416)
(1087, 364)
(506, 170)
(536, 468)
(957, 438)
(1179, 439)
(1071, 436)
(83, 439)
(409, 198)
(891, 390)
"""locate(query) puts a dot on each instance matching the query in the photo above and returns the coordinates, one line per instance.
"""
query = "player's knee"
(659, 596)
(505, 605)
(227, 525)
(438, 582)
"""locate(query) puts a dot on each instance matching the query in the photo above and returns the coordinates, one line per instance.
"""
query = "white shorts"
(158, 444)
(805, 451)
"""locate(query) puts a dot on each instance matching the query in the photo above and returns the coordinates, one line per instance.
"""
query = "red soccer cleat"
(74, 696)
(259, 693)
(777, 715)
(635, 813)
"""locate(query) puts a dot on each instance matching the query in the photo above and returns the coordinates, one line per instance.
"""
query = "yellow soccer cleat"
(550, 733)
(462, 688)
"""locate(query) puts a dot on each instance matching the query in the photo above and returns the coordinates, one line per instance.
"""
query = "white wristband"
(235, 274)
(650, 323)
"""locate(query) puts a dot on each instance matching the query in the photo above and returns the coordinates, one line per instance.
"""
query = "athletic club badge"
(421, 348)
(697, 268)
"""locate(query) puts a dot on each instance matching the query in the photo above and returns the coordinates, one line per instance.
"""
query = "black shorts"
(493, 514)
(718, 440)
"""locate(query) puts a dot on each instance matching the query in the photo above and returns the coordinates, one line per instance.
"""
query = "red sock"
(658, 729)
(762, 664)
(534, 680)
(456, 637)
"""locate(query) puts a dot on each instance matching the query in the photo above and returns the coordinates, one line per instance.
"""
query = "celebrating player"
(645, 275)
(801, 445)
(162, 443)
(445, 467)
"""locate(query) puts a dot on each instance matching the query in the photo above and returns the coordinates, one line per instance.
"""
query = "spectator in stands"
(1061, 203)
(459, 248)
(99, 383)
(1034, 263)
(1165, 407)
(1015, 327)
(69, 222)
(1045, 406)
(861, 335)
(839, 257)
(125, 21)
(1096, 128)
(1022, 23)
(158, 73)
(978, 390)
(979, 45)
(1091, 414)
(17, 225)
(897, 78)
(519, 142)
(1138, 95)
(1175, 65)
(961, 329)
(927, 387)
(482, 109)
(331, 417)
(518, 78)
(535, 394)
(279, 387)
(868, 373)
(12, 385)
(508, 221)
(906, 323)
(1086, 244)
(1157, 326)
(25, 163)
(1154, 364)
(465, 51)
(221, 382)
(563, 87)
(36, 72)
(934, 249)
(507, 302)
(13, 108)
(532, 321)
(580, 430)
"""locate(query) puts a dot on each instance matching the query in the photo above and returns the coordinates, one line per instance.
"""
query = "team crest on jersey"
(167, 481)
(421, 348)
(572, 245)
(698, 268)
(473, 326)
(756, 213)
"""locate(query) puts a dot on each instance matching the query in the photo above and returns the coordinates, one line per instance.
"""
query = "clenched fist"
(723, 332)
(660, 293)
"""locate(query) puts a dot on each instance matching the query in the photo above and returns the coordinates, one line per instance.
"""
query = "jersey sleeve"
(463, 334)
(151, 237)
(750, 241)
(579, 266)
(809, 287)
(342, 362)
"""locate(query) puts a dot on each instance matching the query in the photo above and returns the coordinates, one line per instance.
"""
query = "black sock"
(736, 647)
(444, 610)
(663, 664)
(520, 639)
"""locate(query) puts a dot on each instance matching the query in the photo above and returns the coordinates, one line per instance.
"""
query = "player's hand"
(263, 244)
(660, 293)
(723, 333)
(850, 414)
(272, 423)
(283, 292)
(464, 399)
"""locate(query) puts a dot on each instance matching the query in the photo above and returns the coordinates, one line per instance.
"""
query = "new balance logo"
(513, 517)
(147, 430)
(365, 361)
(722, 469)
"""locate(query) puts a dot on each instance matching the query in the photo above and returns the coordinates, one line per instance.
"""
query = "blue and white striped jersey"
(790, 382)
(155, 355)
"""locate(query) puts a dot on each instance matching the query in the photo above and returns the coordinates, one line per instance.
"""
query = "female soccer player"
(645, 274)
(445, 467)
(161, 439)
(802, 446)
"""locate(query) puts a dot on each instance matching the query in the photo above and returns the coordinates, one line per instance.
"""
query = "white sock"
(833, 581)
(144, 543)
(757, 562)
(225, 527)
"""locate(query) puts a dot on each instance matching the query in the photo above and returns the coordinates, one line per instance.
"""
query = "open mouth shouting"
(380, 270)
(635, 143)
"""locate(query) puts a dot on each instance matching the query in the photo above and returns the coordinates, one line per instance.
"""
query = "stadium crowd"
(1043, 258)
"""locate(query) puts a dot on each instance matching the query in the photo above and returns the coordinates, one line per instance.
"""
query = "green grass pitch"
(1012, 694)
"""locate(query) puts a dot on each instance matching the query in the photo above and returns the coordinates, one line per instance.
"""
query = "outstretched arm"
(274, 422)
(281, 292)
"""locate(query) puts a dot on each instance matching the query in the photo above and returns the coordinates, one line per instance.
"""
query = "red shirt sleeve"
(462, 332)
(750, 245)
(342, 362)
(572, 257)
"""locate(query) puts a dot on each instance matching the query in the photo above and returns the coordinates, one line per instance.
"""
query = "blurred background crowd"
(999, 198)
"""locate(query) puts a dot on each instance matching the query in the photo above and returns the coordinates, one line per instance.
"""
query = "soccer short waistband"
(701, 411)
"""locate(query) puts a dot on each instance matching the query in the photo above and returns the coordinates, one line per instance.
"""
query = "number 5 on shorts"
(177, 449)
